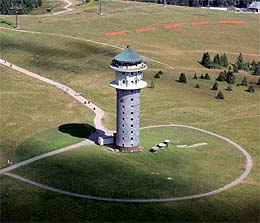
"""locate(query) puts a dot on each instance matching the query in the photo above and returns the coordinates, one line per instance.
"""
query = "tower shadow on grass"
(79, 130)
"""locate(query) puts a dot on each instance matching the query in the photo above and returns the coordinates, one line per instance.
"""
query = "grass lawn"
(99, 172)
(29, 106)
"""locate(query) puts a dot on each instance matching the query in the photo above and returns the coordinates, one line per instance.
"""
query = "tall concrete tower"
(129, 67)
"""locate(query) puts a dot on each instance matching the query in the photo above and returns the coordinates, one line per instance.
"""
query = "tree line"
(10, 7)
(199, 3)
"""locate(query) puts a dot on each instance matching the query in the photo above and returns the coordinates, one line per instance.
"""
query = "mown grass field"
(83, 66)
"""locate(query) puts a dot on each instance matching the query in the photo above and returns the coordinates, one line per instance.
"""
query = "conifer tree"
(251, 89)
(240, 62)
(201, 76)
(223, 60)
(222, 76)
(230, 78)
(215, 86)
(205, 61)
(220, 95)
(256, 70)
(195, 76)
(244, 82)
(229, 87)
(182, 78)
(216, 61)
(197, 86)
(207, 77)
(157, 75)
(235, 68)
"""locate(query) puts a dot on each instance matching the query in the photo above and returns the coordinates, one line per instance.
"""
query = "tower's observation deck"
(129, 67)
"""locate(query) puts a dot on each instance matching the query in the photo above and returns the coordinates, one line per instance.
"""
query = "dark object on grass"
(251, 89)
(215, 86)
(78, 130)
(197, 86)
(229, 88)
(220, 95)
(182, 78)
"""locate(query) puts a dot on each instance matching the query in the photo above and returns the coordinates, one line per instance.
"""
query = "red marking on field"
(115, 33)
(145, 29)
(172, 26)
(230, 22)
(199, 23)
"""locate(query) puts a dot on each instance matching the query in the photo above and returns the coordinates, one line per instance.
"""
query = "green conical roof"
(128, 56)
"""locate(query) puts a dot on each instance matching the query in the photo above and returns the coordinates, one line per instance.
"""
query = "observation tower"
(128, 66)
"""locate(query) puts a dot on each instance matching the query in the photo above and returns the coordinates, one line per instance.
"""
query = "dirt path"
(66, 8)
(239, 180)
(99, 113)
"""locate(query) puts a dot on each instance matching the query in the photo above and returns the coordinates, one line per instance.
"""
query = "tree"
(229, 87)
(201, 76)
(197, 86)
(222, 76)
(223, 60)
(244, 82)
(152, 84)
(215, 86)
(235, 68)
(256, 70)
(195, 76)
(157, 75)
(230, 78)
(220, 95)
(182, 78)
(240, 62)
(205, 61)
(251, 89)
(160, 72)
(216, 61)
(207, 77)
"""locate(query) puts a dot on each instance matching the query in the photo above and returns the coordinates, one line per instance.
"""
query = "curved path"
(99, 113)
(66, 7)
(248, 168)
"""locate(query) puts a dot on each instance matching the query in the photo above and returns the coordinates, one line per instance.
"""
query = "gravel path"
(66, 7)
(239, 180)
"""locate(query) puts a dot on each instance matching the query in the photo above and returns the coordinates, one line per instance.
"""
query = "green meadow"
(63, 48)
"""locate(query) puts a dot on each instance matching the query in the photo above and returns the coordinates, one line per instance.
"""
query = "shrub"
(222, 76)
(235, 68)
(207, 77)
(205, 61)
(244, 82)
(256, 68)
(197, 86)
(151, 84)
(195, 76)
(251, 89)
(215, 86)
(182, 78)
(229, 88)
(258, 83)
(157, 75)
(160, 72)
(223, 60)
(202, 76)
(240, 62)
(220, 95)
(230, 78)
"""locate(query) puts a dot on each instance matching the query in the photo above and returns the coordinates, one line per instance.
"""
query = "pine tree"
(160, 72)
(222, 76)
(182, 78)
(220, 95)
(215, 86)
(207, 77)
(216, 61)
(201, 76)
(251, 89)
(235, 68)
(229, 87)
(244, 82)
(256, 70)
(230, 78)
(240, 62)
(197, 86)
(157, 75)
(205, 61)
(195, 76)
(253, 65)
(152, 84)
(223, 60)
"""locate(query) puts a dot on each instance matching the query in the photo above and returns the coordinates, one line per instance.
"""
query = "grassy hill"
(62, 49)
